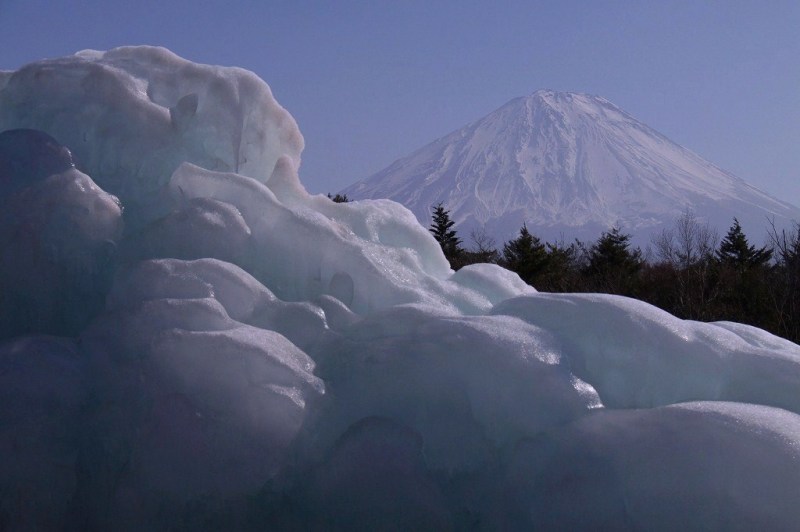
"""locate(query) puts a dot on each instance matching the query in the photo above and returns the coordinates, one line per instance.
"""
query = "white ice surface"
(264, 358)
(638, 356)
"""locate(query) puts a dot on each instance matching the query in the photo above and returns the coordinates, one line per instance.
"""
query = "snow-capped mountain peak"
(567, 164)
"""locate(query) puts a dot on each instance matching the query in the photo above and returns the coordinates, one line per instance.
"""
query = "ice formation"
(192, 341)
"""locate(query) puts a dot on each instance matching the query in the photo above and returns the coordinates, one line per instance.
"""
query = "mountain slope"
(567, 165)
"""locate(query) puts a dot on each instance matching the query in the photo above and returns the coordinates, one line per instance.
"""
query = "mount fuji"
(568, 165)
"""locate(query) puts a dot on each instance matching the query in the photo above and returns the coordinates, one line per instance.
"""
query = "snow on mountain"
(567, 164)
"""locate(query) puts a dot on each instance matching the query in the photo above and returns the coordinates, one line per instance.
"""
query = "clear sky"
(371, 81)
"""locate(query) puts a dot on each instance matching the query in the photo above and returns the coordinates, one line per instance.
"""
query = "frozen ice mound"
(58, 233)
(219, 118)
(463, 383)
(369, 255)
(233, 352)
(188, 402)
(638, 356)
(691, 466)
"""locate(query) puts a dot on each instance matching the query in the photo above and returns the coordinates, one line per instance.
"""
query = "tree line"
(688, 270)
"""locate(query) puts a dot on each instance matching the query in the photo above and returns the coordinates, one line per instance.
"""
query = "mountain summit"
(570, 165)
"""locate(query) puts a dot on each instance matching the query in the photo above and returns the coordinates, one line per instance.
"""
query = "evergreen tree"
(442, 230)
(525, 255)
(742, 277)
(736, 251)
(339, 198)
(561, 273)
(613, 265)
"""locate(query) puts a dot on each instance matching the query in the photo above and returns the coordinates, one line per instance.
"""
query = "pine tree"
(613, 265)
(736, 251)
(742, 277)
(525, 255)
(612, 251)
(441, 228)
(339, 198)
(561, 272)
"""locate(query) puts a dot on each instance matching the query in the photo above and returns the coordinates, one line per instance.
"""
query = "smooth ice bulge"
(191, 340)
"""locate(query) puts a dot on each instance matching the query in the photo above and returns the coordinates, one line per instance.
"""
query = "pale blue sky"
(369, 82)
